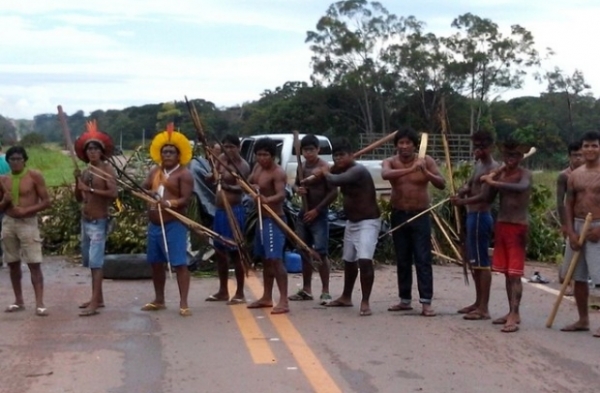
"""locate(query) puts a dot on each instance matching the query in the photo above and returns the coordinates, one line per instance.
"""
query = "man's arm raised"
(523, 185)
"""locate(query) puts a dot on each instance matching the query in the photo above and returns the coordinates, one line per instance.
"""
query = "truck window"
(246, 151)
(324, 147)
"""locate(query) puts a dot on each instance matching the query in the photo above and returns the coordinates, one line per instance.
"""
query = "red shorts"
(510, 242)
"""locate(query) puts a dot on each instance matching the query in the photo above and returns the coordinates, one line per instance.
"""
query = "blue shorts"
(274, 239)
(176, 234)
(222, 227)
(93, 242)
(479, 234)
(316, 233)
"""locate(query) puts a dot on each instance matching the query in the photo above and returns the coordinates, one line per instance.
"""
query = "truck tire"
(126, 267)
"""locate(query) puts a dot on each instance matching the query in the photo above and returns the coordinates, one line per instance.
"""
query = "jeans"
(93, 242)
(412, 243)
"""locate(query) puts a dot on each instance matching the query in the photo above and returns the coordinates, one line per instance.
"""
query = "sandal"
(15, 308)
(88, 313)
(185, 312)
(41, 312)
(325, 299)
(153, 307)
(301, 295)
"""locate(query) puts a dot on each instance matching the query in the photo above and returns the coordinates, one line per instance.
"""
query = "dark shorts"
(274, 240)
(176, 234)
(316, 233)
(510, 243)
(222, 227)
(479, 234)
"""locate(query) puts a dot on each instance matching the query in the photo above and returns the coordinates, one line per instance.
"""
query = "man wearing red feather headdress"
(96, 190)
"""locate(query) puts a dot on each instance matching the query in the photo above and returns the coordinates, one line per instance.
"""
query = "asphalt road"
(232, 349)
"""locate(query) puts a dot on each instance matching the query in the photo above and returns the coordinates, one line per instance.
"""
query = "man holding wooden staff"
(171, 183)
(362, 226)
(96, 192)
(513, 183)
(583, 197)
(232, 192)
(313, 223)
(575, 161)
(410, 175)
(269, 179)
(479, 225)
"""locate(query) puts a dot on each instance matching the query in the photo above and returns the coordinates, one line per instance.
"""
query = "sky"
(89, 55)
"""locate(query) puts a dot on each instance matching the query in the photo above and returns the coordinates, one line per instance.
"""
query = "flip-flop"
(153, 307)
(475, 316)
(467, 310)
(510, 328)
(213, 298)
(428, 313)
(365, 313)
(597, 334)
(235, 301)
(15, 308)
(185, 312)
(573, 328)
(87, 304)
(259, 305)
(301, 295)
(88, 313)
(501, 321)
(278, 310)
(399, 307)
(337, 303)
(41, 312)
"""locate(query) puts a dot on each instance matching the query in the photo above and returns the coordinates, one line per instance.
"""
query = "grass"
(56, 167)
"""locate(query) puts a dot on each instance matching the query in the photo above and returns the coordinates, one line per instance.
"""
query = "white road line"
(545, 288)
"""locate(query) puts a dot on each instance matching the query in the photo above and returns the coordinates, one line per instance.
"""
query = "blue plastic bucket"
(293, 262)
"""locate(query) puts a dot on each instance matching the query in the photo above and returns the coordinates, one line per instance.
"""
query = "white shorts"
(588, 264)
(360, 239)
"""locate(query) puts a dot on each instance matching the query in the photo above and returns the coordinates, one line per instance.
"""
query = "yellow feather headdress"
(173, 138)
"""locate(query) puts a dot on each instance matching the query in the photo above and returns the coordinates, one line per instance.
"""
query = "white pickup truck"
(286, 157)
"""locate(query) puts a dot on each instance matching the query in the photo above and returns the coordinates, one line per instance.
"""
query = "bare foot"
(400, 307)
(87, 304)
(468, 309)
(428, 311)
(261, 304)
(340, 302)
(578, 326)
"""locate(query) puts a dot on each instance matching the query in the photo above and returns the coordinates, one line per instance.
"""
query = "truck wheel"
(126, 267)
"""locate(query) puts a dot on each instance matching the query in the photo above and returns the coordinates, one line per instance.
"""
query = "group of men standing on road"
(23, 194)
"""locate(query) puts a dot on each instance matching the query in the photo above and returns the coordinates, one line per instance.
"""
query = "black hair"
(309, 140)
(483, 137)
(407, 132)
(94, 143)
(16, 150)
(166, 144)
(232, 139)
(266, 144)
(574, 146)
(591, 136)
(510, 144)
(341, 145)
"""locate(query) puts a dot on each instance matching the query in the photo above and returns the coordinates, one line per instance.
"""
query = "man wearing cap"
(95, 189)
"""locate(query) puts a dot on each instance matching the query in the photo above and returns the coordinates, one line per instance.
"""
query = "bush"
(32, 139)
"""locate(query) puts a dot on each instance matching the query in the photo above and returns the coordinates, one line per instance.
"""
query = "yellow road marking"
(308, 362)
(255, 340)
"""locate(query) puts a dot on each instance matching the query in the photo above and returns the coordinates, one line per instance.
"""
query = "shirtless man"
(313, 224)
(233, 192)
(513, 183)
(362, 226)
(479, 225)
(583, 197)
(410, 177)
(96, 190)
(575, 161)
(23, 195)
(172, 183)
(269, 179)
